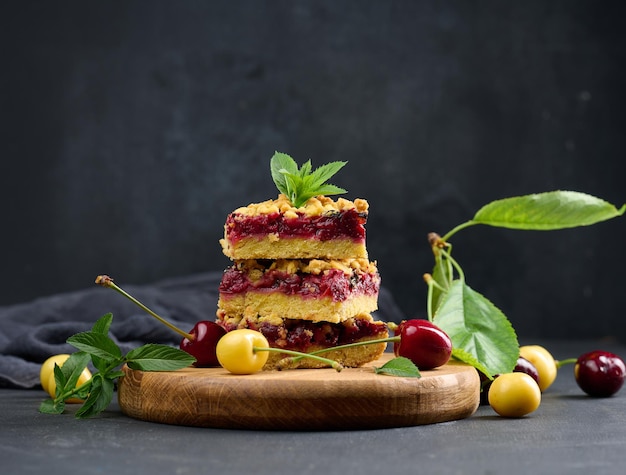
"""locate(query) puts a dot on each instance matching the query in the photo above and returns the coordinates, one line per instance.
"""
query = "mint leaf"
(107, 357)
(294, 185)
(71, 371)
(399, 366)
(115, 374)
(282, 165)
(96, 344)
(299, 184)
(324, 172)
(83, 392)
(153, 357)
(305, 169)
(50, 406)
(329, 189)
(99, 398)
(103, 324)
(547, 211)
(478, 328)
(60, 380)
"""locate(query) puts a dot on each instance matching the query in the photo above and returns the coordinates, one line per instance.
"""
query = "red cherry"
(600, 373)
(206, 335)
(525, 366)
(423, 343)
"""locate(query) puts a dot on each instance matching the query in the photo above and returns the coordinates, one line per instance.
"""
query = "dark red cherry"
(525, 366)
(206, 335)
(600, 373)
(425, 344)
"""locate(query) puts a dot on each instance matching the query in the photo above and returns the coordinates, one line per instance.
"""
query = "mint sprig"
(96, 346)
(481, 334)
(299, 184)
(399, 366)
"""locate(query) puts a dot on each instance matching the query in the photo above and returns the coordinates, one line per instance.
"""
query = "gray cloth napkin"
(31, 332)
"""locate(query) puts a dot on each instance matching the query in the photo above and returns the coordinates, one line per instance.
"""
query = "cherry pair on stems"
(200, 342)
(598, 373)
(426, 345)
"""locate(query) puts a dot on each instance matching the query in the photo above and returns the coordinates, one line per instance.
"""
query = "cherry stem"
(444, 267)
(432, 284)
(297, 355)
(464, 225)
(72, 392)
(106, 281)
(564, 362)
(455, 264)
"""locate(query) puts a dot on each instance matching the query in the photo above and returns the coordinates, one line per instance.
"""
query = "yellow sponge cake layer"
(314, 290)
(273, 246)
(315, 310)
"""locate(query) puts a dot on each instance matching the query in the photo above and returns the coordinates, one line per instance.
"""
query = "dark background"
(129, 130)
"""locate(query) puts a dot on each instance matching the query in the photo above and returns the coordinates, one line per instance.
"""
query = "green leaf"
(153, 357)
(305, 169)
(50, 406)
(547, 211)
(99, 398)
(329, 189)
(83, 392)
(71, 370)
(60, 380)
(96, 344)
(465, 357)
(107, 356)
(399, 366)
(324, 172)
(103, 324)
(301, 184)
(115, 374)
(294, 185)
(478, 328)
(281, 165)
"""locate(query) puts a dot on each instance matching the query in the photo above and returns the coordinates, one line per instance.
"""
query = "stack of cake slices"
(301, 277)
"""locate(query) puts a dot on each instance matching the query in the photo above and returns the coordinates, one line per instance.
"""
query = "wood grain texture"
(318, 399)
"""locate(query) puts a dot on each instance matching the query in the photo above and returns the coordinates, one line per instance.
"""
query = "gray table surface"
(569, 433)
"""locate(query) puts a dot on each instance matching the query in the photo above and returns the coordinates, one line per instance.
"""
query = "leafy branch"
(480, 332)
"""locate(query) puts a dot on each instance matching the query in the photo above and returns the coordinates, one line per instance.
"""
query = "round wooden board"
(304, 399)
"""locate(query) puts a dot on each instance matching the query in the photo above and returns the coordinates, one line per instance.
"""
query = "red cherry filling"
(425, 344)
(206, 335)
(332, 225)
(332, 283)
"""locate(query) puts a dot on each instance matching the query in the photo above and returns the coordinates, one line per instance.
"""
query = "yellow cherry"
(543, 361)
(514, 395)
(235, 351)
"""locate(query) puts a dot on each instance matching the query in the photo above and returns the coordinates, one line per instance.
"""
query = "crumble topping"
(315, 206)
(256, 268)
